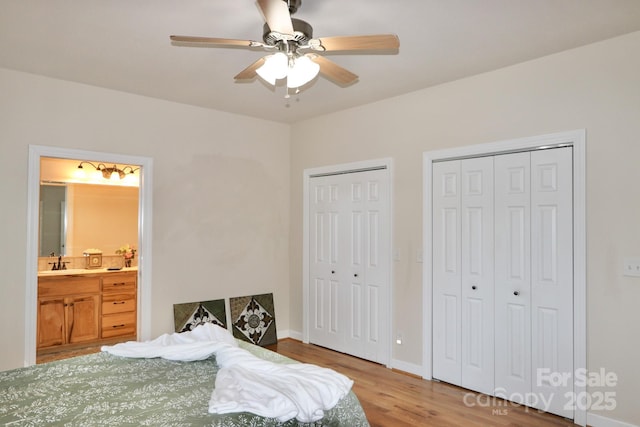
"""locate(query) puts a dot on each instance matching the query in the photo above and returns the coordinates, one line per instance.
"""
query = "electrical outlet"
(631, 267)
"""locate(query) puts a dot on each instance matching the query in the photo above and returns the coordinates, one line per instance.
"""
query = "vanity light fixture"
(112, 172)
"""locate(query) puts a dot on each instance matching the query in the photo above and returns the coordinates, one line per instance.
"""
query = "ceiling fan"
(296, 54)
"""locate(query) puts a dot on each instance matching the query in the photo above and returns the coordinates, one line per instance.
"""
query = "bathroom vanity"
(80, 307)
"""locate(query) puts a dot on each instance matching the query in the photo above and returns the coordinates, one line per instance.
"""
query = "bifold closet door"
(463, 273)
(503, 275)
(534, 278)
(349, 263)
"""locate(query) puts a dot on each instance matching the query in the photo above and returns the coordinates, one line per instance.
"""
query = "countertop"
(83, 271)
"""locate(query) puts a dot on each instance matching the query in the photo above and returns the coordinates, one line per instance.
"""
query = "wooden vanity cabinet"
(84, 309)
(119, 313)
(68, 310)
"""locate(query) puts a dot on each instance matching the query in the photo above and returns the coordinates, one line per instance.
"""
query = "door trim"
(360, 166)
(144, 236)
(576, 139)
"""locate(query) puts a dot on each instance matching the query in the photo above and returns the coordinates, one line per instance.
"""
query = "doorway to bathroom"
(144, 217)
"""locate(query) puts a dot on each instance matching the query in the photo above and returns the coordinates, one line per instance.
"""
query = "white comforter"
(246, 383)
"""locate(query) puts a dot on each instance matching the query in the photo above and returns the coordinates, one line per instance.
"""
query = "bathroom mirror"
(53, 219)
(75, 217)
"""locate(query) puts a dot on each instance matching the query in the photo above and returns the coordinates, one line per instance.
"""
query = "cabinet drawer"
(119, 283)
(118, 324)
(118, 303)
(68, 285)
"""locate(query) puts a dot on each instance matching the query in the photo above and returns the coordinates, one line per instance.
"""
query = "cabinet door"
(82, 318)
(51, 324)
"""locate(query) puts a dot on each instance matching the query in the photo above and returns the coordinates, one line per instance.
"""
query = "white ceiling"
(124, 45)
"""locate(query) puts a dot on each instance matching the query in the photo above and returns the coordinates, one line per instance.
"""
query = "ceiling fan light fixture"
(303, 71)
(290, 37)
(274, 68)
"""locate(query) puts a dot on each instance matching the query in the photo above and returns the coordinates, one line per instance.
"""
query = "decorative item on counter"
(93, 258)
(128, 253)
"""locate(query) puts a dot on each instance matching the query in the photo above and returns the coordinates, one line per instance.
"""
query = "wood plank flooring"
(394, 399)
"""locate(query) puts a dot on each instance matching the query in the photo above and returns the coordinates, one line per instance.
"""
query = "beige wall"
(596, 88)
(220, 199)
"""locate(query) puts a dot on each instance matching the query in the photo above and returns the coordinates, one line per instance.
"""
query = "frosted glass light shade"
(303, 71)
(275, 67)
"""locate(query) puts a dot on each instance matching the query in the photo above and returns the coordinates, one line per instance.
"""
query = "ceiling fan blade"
(213, 41)
(333, 71)
(276, 13)
(370, 42)
(249, 72)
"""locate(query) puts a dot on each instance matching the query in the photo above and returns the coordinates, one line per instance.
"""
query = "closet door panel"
(552, 277)
(326, 229)
(446, 272)
(512, 276)
(374, 274)
(477, 329)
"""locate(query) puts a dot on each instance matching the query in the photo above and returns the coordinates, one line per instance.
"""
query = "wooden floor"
(395, 399)
(392, 398)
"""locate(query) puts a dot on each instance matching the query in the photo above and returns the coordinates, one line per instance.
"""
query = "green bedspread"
(105, 390)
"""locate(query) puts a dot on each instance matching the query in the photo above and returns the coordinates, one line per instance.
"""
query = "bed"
(102, 389)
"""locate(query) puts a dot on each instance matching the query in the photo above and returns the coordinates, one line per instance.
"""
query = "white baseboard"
(395, 364)
(595, 420)
(410, 368)
(289, 334)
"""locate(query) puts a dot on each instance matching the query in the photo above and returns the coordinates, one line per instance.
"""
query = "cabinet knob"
(474, 287)
(333, 272)
(355, 275)
(516, 293)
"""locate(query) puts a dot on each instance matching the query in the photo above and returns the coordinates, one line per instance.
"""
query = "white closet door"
(447, 338)
(349, 263)
(477, 329)
(552, 279)
(326, 231)
(513, 277)
(368, 320)
(503, 276)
